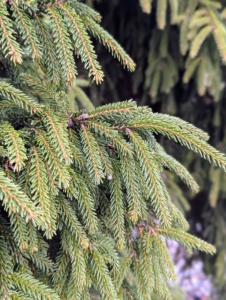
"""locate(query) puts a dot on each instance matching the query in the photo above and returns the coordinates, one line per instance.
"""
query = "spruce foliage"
(172, 82)
(83, 201)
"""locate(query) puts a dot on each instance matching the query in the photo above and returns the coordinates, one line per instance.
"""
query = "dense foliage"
(83, 202)
(170, 80)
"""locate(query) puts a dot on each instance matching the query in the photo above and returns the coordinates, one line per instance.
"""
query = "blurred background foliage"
(180, 52)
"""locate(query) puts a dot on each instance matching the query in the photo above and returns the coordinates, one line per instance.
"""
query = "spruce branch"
(114, 110)
(120, 276)
(90, 148)
(40, 260)
(62, 269)
(72, 222)
(85, 202)
(40, 192)
(16, 96)
(152, 177)
(63, 44)
(173, 165)
(9, 45)
(14, 145)
(32, 287)
(165, 257)
(100, 271)
(26, 29)
(117, 207)
(106, 39)
(58, 170)
(83, 9)
(186, 239)
(183, 137)
(136, 204)
(20, 231)
(15, 201)
(57, 135)
(42, 89)
(82, 192)
(48, 49)
(6, 268)
(82, 42)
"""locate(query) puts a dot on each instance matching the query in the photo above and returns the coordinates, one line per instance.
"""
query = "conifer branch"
(89, 12)
(57, 134)
(143, 290)
(63, 45)
(40, 260)
(83, 43)
(85, 203)
(17, 202)
(199, 39)
(19, 228)
(62, 269)
(114, 110)
(6, 268)
(121, 145)
(48, 48)
(25, 28)
(94, 165)
(32, 287)
(136, 204)
(15, 146)
(152, 178)
(184, 138)
(79, 189)
(186, 239)
(73, 223)
(173, 165)
(117, 207)
(105, 159)
(9, 44)
(165, 257)
(19, 98)
(42, 89)
(107, 40)
(40, 191)
(101, 273)
(122, 272)
(57, 168)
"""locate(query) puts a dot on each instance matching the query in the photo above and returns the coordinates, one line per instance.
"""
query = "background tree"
(83, 201)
